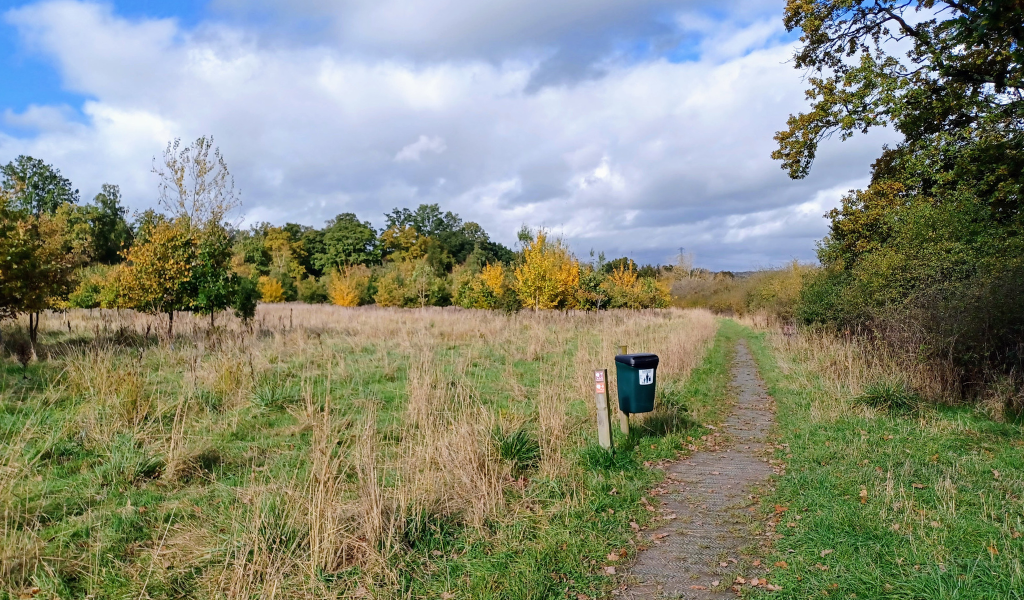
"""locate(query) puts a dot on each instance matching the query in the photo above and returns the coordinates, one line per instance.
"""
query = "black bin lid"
(642, 360)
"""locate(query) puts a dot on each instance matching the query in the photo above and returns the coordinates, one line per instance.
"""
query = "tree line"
(57, 253)
(930, 256)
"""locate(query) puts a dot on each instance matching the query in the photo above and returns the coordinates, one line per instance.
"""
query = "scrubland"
(333, 452)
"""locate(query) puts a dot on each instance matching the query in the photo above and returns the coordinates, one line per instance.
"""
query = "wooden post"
(623, 416)
(604, 425)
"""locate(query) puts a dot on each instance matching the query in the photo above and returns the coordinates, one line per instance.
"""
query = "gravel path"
(706, 540)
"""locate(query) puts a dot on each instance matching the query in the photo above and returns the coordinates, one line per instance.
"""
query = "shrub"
(247, 294)
(271, 289)
(351, 287)
(91, 283)
(312, 291)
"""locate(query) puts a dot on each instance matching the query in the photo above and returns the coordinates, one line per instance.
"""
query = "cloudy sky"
(636, 127)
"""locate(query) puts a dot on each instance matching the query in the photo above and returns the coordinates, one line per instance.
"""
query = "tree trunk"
(170, 323)
(33, 327)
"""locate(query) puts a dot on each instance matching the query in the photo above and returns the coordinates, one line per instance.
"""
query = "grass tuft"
(891, 395)
(520, 448)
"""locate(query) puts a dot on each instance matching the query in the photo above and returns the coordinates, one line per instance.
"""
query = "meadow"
(327, 452)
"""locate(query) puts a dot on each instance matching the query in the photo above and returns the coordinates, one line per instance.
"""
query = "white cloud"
(415, 150)
(648, 157)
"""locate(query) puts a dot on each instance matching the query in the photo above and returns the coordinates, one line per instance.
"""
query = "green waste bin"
(636, 375)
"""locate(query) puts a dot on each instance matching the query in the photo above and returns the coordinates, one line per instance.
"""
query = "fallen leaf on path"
(918, 486)
(613, 557)
(996, 474)
(447, 596)
(661, 536)
(781, 509)
(715, 583)
(821, 567)
(740, 580)
(757, 563)
(723, 564)
(634, 526)
(825, 553)
(698, 587)
(993, 550)
(609, 570)
(781, 564)
(863, 496)
(773, 588)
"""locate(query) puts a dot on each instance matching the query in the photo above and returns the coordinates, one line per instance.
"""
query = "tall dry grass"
(392, 413)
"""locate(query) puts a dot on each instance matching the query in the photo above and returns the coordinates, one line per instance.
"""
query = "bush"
(247, 295)
(312, 291)
(351, 287)
(270, 289)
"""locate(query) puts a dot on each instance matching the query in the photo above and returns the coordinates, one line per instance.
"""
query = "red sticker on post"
(600, 387)
(599, 376)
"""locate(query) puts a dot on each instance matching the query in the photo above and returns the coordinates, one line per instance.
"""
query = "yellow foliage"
(158, 267)
(271, 289)
(625, 276)
(349, 288)
(626, 289)
(402, 243)
(548, 276)
(493, 276)
(284, 254)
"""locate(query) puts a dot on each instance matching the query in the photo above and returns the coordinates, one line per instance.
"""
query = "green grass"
(894, 503)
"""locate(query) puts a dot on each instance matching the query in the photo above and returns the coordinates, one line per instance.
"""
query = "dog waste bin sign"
(637, 376)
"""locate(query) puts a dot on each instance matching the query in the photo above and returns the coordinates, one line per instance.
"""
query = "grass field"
(884, 496)
(335, 453)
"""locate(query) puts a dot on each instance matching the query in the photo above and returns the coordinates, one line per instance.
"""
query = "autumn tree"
(197, 189)
(350, 287)
(159, 267)
(548, 274)
(38, 258)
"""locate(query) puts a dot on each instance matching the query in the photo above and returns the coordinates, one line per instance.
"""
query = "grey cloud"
(649, 157)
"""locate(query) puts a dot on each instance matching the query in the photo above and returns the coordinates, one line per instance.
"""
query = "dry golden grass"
(374, 418)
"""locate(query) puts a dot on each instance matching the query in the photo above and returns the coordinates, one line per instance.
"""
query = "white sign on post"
(646, 376)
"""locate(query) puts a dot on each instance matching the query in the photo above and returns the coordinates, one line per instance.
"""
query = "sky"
(633, 127)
